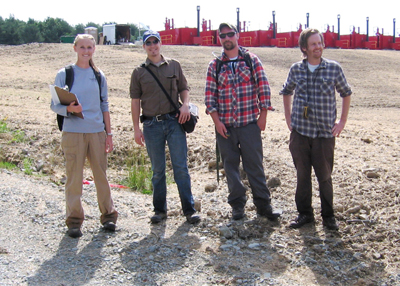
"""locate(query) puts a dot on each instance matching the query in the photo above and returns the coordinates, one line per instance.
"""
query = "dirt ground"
(366, 173)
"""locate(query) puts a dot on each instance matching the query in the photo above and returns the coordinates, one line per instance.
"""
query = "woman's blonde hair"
(90, 37)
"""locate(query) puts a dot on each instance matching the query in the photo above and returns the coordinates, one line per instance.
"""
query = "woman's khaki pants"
(77, 147)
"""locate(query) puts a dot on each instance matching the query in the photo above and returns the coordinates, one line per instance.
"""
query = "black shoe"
(237, 213)
(268, 213)
(193, 219)
(158, 217)
(301, 220)
(109, 225)
(330, 223)
(74, 232)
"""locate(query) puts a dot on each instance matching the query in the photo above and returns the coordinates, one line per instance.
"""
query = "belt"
(159, 117)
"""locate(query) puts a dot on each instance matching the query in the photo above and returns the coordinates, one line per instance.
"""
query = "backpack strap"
(246, 58)
(98, 77)
(249, 61)
(69, 76)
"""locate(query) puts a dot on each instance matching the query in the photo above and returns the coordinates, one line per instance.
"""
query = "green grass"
(139, 172)
(3, 127)
(18, 136)
(7, 166)
(27, 166)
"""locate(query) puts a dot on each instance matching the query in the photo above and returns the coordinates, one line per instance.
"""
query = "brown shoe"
(74, 232)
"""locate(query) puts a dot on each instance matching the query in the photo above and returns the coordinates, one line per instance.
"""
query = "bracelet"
(109, 134)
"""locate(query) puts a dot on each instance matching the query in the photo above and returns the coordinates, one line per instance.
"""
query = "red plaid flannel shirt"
(239, 96)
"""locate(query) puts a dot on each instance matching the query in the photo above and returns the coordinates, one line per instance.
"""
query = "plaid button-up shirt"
(316, 91)
(237, 96)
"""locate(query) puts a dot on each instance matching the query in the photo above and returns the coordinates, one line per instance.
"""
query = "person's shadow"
(331, 259)
(70, 266)
(249, 252)
(155, 256)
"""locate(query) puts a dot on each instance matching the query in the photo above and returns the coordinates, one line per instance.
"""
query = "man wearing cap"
(161, 124)
(237, 96)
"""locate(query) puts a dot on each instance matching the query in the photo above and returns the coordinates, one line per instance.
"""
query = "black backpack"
(247, 60)
(69, 81)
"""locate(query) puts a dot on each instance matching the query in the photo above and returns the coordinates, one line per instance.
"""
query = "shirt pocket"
(301, 90)
(327, 87)
(244, 74)
(172, 84)
(223, 79)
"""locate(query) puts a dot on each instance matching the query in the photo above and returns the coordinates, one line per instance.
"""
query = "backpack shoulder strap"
(218, 67)
(98, 77)
(69, 76)
(69, 81)
(249, 61)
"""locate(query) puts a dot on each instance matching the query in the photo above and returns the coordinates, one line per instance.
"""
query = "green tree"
(79, 29)
(52, 29)
(31, 32)
(91, 24)
(11, 30)
(134, 31)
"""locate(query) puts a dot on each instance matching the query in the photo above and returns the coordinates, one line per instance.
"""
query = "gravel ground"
(35, 249)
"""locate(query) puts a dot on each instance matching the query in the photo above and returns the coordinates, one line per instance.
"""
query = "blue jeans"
(156, 134)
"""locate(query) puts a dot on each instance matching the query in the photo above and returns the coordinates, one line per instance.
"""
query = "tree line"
(17, 32)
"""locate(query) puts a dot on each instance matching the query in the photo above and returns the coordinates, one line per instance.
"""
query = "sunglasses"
(230, 35)
(155, 42)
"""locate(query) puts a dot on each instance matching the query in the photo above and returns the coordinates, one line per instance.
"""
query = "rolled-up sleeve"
(211, 89)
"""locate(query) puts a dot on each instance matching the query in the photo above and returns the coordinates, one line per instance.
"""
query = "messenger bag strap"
(162, 87)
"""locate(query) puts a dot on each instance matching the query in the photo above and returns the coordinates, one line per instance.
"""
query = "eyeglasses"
(229, 34)
(155, 42)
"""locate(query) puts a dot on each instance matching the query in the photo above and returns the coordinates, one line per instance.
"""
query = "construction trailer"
(115, 34)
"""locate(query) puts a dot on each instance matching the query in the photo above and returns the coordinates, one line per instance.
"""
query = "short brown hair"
(303, 39)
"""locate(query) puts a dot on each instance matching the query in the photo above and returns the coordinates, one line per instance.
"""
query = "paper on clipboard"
(64, 97)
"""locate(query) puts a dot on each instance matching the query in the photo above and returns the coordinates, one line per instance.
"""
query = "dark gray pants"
(244, 143)
(317, 153)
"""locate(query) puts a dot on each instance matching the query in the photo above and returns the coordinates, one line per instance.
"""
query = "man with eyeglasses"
(312, 123)
(162, 124)
(237, 96)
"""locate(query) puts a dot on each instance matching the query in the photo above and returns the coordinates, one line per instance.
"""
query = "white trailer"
(116, 34)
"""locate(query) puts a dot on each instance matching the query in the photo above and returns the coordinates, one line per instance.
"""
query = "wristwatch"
(109, 134)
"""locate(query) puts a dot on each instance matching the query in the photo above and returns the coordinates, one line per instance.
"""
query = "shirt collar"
(242, 51)
(322, 65)
(163, 61)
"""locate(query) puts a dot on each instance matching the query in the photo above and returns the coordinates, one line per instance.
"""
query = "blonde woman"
(89, 138)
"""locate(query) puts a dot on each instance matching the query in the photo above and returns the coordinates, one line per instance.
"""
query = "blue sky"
(257, 14)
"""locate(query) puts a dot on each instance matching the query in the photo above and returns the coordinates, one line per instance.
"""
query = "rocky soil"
(34, 247)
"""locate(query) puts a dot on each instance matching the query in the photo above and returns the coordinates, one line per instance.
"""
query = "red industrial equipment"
(268, 38)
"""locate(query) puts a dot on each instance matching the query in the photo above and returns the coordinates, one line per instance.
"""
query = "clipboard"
(64, 97)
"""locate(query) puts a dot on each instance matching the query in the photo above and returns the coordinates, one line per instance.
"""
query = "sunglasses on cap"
(229, 34)
(155, 42)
